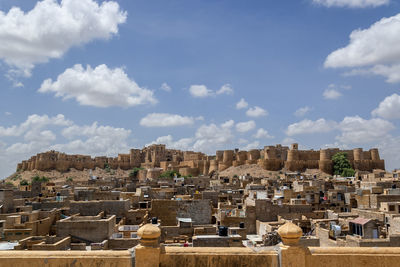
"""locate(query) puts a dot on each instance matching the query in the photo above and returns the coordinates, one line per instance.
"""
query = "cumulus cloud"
(51, 28)
(99, 87)
(165, 120)
(262, 134)
(246, 126)
(94, 139)
(302, 111)
(165, 87)
(358, 130)
(373, 50)
(288, 141)
(241, 104)
(252, 145)
(201, 91)
(208, 138)
(168, 140)
(256, 112)
(34, 123)
(310, 127)
(352, 3)
(39, 133)
(389, 108)
(389, 148)
(331, 94)
(225, 89)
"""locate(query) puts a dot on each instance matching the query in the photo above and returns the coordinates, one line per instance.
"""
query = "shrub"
(170, 174)
(42, 179)
(24, 182)
(134, 172)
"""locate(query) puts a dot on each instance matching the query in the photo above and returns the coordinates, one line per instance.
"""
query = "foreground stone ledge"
(65, 258)
(355, 251)
(217, 251)
(218, 257)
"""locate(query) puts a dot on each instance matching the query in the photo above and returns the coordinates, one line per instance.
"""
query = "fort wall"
(190, 163)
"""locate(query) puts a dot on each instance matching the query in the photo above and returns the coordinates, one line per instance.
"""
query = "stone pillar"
(147, 254)
(291, 253)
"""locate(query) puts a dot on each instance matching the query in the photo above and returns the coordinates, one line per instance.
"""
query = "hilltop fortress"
(272, 158)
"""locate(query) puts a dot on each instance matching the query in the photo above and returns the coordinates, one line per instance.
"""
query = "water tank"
(223, 231)
(154, 220)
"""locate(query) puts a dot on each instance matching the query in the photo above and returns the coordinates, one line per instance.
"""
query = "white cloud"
(262, 134)
(228, 124)
(165, 87)
(389, 108)
(358, 130)
(253, 145)
(244, 127)
(331, 94)
(374, 50)
(165, 120)
(389, 148)
(210, 137)
(391, 72)
(200, 91)
(51, 28)
(225, 89)
(40, 133)
(168, 140)
(302, 111)
(8, 113)
(95, 140)
(288, 141)
(310, 127)
(352, 3)
(99, 87)
(242, 141)
(34, 123)
(256, 112)
(241, 104)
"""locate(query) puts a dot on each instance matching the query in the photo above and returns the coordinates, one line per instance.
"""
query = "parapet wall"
(279, 256)
(66, 258)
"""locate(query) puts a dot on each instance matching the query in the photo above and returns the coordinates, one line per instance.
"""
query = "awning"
(360, 220)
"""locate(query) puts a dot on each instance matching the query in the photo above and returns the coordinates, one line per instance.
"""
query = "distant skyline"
(101, 77)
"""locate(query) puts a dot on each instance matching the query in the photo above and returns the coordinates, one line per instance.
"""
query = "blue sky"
(100, 77)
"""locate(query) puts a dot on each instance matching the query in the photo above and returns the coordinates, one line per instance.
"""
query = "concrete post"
(147, 254)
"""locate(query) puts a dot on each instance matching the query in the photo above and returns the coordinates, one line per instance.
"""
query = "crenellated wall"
(272, 158)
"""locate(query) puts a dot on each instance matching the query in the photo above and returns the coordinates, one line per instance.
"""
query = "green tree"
(348, 172)
(107, 167)
(69, 179)
(24, 182)
(170, 174)
(341, 165)
(42, 179)
(134, 172)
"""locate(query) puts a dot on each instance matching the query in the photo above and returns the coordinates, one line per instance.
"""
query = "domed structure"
(290, 233)
(149, 234)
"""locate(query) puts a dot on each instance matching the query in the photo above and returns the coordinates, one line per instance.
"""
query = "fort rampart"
(190, 163)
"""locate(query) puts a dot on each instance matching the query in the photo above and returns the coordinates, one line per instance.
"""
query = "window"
(391, 207)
